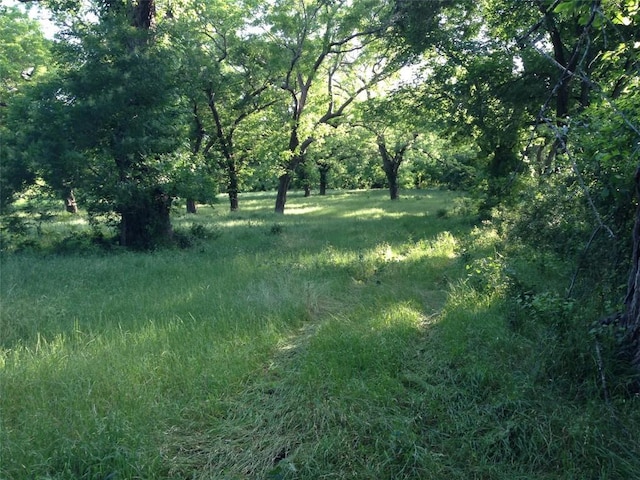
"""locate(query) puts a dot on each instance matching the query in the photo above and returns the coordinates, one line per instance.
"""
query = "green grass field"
(352, 338)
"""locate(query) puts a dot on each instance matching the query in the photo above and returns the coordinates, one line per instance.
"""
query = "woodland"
(161, 126)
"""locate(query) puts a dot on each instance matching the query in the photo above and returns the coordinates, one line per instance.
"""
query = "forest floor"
(352, 338)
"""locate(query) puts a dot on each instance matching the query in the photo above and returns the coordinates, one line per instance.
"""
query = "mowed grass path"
(337, 341)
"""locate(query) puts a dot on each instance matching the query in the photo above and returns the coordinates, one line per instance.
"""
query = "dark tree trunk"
(561, 89)
(392, 178)
(284, 182)
(232, 185)
(196, 144)
(304, 179)
(229, 163)
(283, 186)
(298, 151)
(559, 55)
(324, 178)
(568, 60)
(70, 202)
(391, 165)
(144, 14)
(145, 209)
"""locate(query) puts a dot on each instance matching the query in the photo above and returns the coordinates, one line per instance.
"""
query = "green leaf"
(566, 7)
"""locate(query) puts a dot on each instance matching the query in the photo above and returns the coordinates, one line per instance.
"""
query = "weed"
(276, 229)
(442, 213)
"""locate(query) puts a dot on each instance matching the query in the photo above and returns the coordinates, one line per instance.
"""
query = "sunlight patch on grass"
(401, 314)
(76, 220)
(365, 213)
(445, 245)
(241, 222)
(302, 209)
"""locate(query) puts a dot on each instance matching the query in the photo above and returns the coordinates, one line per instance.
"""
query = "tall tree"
(236, 83)
(124, 86)
(481, 86)
(116, 97)
(590, 113)
(321, 46)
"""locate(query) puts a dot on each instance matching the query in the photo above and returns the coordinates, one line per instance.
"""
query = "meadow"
(351, 338)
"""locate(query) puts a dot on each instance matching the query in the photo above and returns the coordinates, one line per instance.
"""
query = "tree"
(594, 130)
(228, 80)
(329, 153)
(320, 47)
(115, 96)
(394, 130)
(473, 84)
(547, 89)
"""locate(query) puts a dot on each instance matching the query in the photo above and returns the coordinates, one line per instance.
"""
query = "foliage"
(583, 206)
(228, 81)
(109, 123)
(24, 59)
(25, 54)
(530, 106)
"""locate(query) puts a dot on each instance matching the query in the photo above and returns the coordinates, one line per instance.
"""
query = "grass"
(352, 338)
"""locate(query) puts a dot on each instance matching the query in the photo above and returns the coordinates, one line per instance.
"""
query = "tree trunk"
(392, 178)
(391, 165)
(70, 202)
(191, 206)
(232, 185)
(324, 177)
(144, 14)
(285, 180)
(304, 179)
(144, 210)
(283, 186)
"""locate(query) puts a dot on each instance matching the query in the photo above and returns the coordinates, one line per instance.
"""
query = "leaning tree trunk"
(283, 186)
(298, 151)
(285, 181)
(630, 320)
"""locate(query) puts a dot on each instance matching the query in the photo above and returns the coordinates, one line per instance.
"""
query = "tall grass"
(352, 338)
